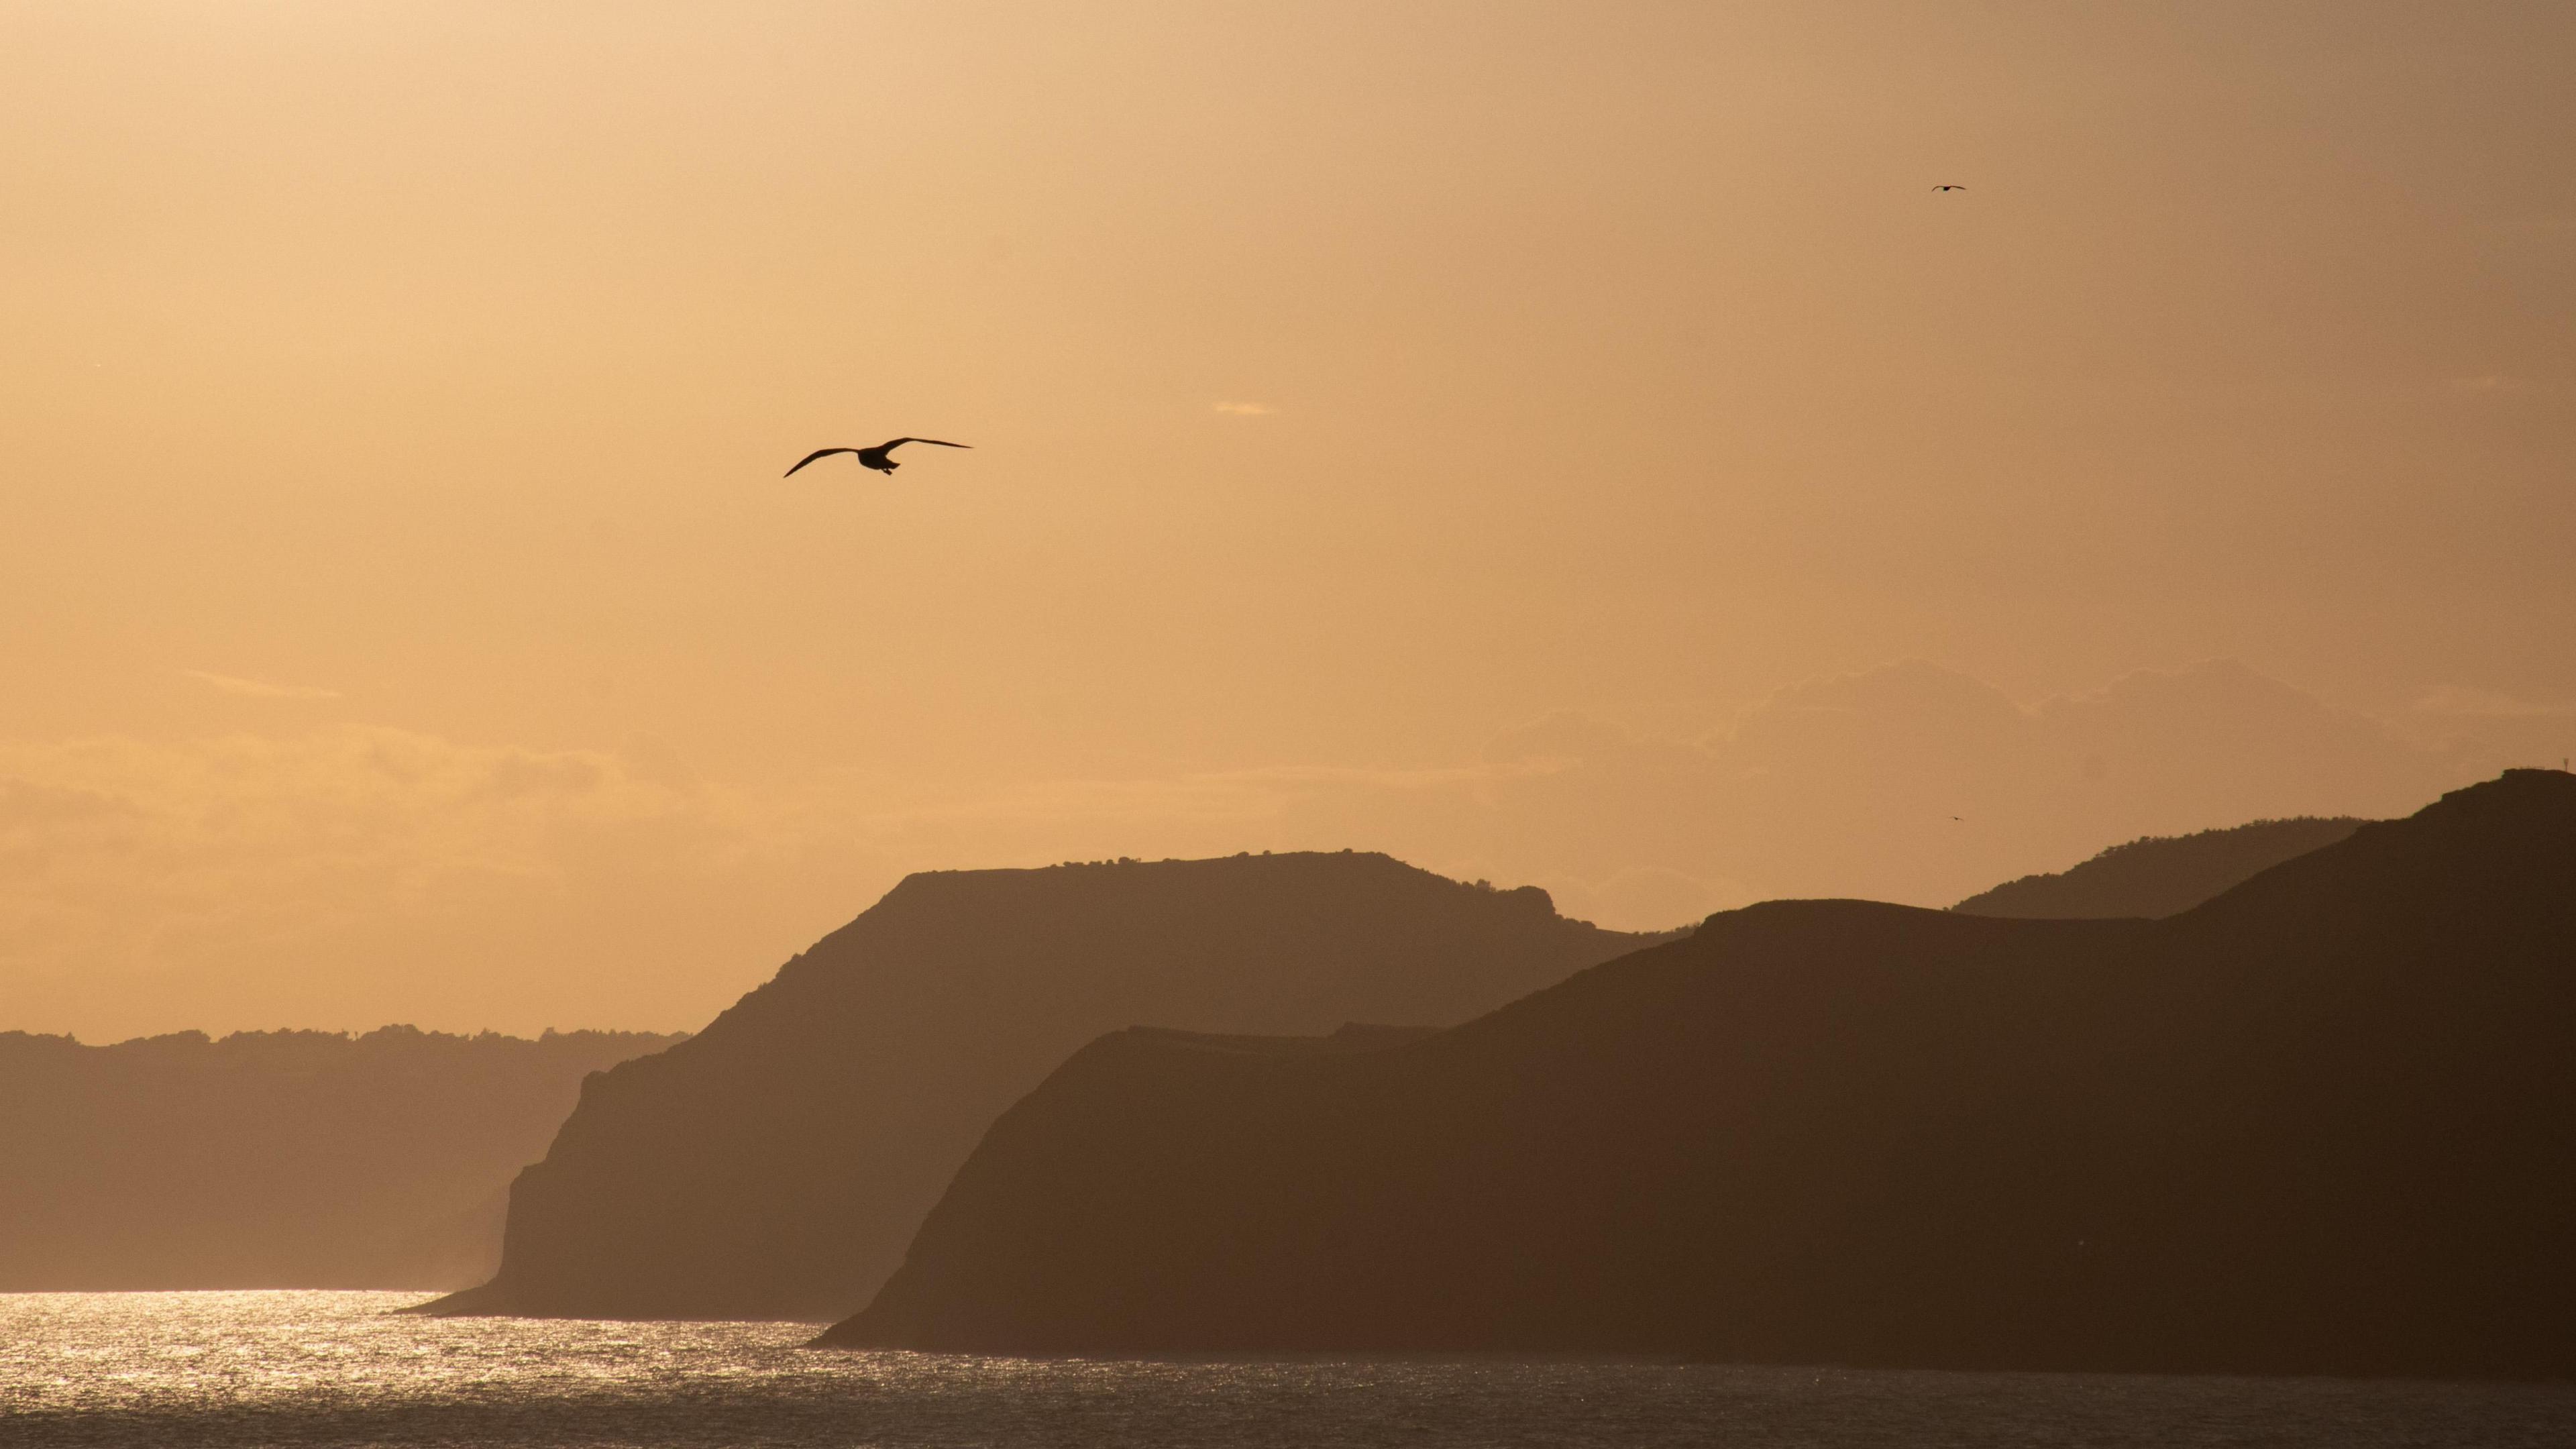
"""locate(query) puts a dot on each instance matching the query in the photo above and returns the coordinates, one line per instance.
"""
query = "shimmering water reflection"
(338, 1368)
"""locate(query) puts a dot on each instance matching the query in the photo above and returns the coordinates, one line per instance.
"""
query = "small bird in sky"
(876, 457)
(1945, 186)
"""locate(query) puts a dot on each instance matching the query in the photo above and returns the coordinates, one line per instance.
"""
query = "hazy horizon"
(1548, 444)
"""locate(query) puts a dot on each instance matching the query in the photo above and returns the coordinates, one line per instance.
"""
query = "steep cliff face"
(2323, 1123)
(285, 1159)
(775, 1165)
(2159, 876)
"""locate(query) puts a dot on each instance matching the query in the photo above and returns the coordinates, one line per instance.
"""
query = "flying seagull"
(878, 457)
(1946, 187)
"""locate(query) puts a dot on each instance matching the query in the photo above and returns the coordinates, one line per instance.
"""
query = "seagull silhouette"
(1949, 188)
(876, 457)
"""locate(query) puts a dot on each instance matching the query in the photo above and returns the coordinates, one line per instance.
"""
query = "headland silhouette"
(282, 1159)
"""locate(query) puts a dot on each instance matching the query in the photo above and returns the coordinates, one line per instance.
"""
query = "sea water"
(341, 1368)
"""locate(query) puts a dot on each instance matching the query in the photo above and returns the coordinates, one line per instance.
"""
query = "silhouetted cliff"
(284, 1159)
(2159, 875)
(2323, 1123)
(774, 1165)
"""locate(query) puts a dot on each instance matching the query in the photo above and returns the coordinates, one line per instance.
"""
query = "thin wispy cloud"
(1243, 409)
(2490, 382)
(258, 688)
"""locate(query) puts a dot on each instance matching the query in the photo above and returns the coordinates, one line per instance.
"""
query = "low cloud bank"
(358, 875)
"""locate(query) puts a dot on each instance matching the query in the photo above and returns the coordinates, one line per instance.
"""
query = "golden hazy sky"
(1567, 443)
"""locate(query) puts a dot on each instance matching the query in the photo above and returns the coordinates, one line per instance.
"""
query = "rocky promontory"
(774, 1165)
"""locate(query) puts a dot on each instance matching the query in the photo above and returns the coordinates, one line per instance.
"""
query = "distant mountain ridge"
(774, 1165)
(2159, 875)
(2323, 1123)
(285, 1159)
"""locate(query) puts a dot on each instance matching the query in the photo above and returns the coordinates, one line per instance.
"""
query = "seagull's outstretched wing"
(810, 457)
(899, 442)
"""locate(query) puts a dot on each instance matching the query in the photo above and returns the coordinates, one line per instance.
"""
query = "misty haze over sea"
(221, 1370)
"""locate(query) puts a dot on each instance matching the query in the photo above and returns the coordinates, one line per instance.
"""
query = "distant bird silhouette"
(1949, 188)
(876, 457)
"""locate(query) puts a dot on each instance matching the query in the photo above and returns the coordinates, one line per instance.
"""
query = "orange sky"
(1531, 439)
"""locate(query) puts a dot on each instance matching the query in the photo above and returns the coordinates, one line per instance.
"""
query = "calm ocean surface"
(334, 1368)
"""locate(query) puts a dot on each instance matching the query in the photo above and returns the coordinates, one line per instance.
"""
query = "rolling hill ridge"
(2322, 1123)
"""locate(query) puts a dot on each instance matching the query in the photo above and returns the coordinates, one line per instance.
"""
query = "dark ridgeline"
(774, 1165)
(2324, 1123)
(2159, 875)
(282, 1159)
